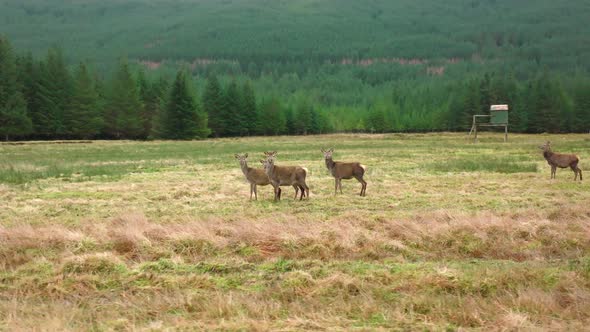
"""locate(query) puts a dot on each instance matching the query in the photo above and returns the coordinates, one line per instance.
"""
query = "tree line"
(46, 99)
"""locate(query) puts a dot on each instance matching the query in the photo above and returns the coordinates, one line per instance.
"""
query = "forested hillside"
(294, 67)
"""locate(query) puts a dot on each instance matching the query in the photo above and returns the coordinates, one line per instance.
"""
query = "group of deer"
(294, 176)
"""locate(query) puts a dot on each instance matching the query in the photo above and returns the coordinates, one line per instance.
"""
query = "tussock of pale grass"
(531, 235)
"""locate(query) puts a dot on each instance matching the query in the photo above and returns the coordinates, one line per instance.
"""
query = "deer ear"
(323, 150)
(262, 161)
(331, 150)
(246, 155)
(236, 155)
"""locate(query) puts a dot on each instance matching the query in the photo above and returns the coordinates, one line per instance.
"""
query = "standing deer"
(284, 176)
(255, 176)
(561, 160)
(341, 170)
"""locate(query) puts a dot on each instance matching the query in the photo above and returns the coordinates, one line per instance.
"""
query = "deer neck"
(330, 163)
(270, 171)
(547, 154)
(245, 168)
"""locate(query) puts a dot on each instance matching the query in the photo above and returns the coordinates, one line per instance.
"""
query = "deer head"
(328, 153)
(267, 163)
(270, 154)
(242, 158)
(546, 147)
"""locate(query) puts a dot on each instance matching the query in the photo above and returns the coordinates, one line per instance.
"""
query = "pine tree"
(54, 90)
(122, 114)
(271, 119)
(29, 75)
(545, 115)
(248, 109)
(213, 106)
(235, 122)
(13, 109)
(183, 119)
(155, 105)
(582, 107)
(303, 119)
(83, 117)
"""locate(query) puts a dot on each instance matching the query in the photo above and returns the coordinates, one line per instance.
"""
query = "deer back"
(286, 175)
(347, 170)
(561, 159)
(257, 176)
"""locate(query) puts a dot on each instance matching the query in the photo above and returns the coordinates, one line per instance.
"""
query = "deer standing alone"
(561, 160)
(341, 170)
(284, 176)
(256, 176)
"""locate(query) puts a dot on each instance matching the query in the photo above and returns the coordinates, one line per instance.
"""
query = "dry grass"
(173, 241)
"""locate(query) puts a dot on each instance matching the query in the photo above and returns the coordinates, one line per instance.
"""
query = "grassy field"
(150, 235)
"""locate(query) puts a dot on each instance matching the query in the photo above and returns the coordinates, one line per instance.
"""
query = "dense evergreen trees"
(44, 99)
(182, 117)
(14, 121)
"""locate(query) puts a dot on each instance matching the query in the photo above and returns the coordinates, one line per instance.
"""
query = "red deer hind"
(284, 176)
(561, 160)
(341, 170)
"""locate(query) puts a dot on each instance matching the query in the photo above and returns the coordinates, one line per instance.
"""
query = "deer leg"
(580, 171)
(302, 191)
(296, 190)
(304, 188)
(255, 192)
(364, 186)
(335, 186)
(340, 185)
(251, 190)
(280, 191)
(553, 171)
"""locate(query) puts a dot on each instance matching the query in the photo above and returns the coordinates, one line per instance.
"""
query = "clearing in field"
(149, 235)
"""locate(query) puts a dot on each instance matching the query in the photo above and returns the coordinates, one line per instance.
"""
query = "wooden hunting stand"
(498, 118)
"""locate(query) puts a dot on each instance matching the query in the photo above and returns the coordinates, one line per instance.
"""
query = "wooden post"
(506, 133)
(475, 137)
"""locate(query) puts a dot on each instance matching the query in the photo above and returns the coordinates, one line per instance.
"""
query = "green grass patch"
(479, 163)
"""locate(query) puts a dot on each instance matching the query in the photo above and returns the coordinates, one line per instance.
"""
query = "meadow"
(155, 235)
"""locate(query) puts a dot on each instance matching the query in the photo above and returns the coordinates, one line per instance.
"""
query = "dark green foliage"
(235, 121)
(248, 109)
(14, 120)
(54, 92)
(582, 107)
(271, 119)
(326, 66)
(123, 110)
(182, 118)
(83, 118)
(214, 107)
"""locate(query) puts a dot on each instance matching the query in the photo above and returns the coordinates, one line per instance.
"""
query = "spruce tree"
(122, 114)
(14, 120)
(55, 91)
(213, 106)
(183, 119)
(29, 74)
(248, 109)
(271, 119)
(235, 122)
(83, 117)
(156, 106)
(582, 107)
